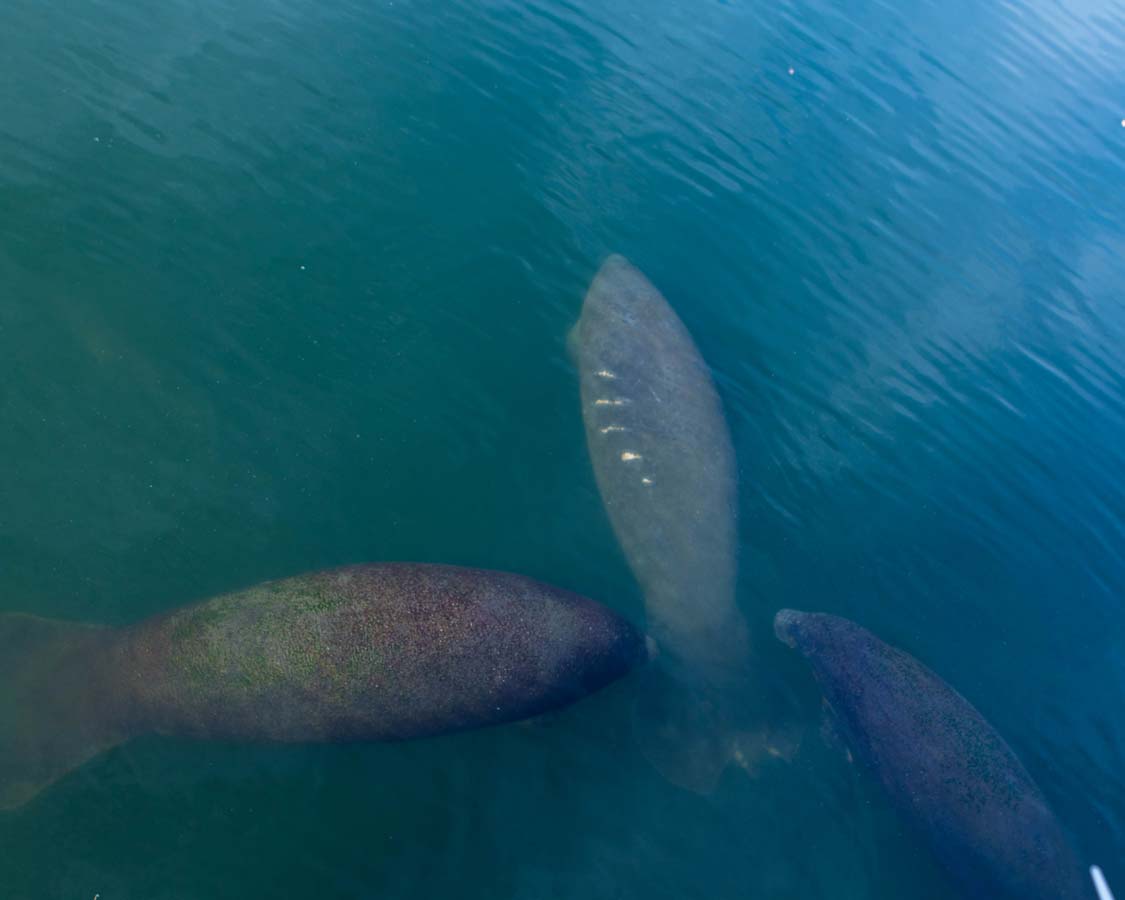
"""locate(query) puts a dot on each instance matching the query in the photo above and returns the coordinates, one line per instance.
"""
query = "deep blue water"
(286, 286)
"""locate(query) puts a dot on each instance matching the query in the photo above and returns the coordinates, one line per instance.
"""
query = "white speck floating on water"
(629, 456)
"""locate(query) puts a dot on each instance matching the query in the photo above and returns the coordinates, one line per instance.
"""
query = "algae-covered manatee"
(365, 653)
(945, 769)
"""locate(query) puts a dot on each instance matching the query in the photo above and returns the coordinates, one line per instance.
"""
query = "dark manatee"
(665, 468)
(946, 770)
(365, 653)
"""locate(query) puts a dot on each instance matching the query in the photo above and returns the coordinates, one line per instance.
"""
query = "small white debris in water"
(611, 428)
(792, 71)
(1123, 123)
(629, 456)
(646, 481)
(604, 402)
(604, 373)
(99, 140)
(302, 268)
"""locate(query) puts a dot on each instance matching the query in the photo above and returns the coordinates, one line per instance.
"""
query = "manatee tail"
(691, 737)
(53, 703)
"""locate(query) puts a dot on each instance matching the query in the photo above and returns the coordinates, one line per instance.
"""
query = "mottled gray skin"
(665, 469)
(944, 767)
(365, 653)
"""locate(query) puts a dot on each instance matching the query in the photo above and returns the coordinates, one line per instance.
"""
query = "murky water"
(286, 286)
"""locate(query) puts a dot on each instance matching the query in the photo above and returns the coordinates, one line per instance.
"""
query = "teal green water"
(286, 286)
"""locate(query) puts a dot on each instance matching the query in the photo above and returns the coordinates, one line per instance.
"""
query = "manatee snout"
(625, 649)
(593, 648)
(786, 625)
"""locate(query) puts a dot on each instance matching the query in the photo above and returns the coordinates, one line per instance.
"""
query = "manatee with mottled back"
(365, 653)
(943, 766)
(665, 468)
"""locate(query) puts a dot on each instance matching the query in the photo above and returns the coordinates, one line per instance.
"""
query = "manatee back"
(943, 766)
(377, 652)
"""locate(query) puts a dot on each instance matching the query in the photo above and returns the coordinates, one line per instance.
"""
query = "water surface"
(286, 286)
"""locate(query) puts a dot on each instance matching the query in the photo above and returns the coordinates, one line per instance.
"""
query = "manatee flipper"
(51, 716)
(830, 732)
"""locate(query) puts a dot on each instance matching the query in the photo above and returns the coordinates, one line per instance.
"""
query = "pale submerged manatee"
(665, 468)
(365, 653)
(943, 766)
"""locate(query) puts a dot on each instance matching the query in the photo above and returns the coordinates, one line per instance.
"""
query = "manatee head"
(802, 631)
(786, 625)
(812, 633)
(617, 297)
(558, 646)
(838, 650)
(603, 647)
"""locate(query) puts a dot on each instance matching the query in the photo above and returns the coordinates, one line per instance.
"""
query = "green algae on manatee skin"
(265, 636)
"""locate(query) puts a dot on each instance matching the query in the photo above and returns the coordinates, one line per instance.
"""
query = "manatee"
(381, 652)
(665, 469)
(945, 769)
